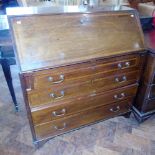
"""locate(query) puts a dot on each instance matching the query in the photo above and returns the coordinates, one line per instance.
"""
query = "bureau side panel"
(24, 88)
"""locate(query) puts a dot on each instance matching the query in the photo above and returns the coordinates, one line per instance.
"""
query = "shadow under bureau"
(77, 68)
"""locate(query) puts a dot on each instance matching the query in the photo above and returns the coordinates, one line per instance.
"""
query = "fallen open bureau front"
(77, 68)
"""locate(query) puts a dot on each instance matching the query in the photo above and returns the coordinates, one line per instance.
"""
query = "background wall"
(134, 3)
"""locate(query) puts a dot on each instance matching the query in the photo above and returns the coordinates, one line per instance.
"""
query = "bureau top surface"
(54, 39)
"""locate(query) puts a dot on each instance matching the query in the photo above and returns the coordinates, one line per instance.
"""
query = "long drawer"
(63, 109)
(70, 74)
(57, 127)
(98, 84)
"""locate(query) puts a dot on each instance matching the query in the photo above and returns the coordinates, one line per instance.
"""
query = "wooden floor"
(117, 136)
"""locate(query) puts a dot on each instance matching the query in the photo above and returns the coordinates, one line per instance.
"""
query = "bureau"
(77, 68)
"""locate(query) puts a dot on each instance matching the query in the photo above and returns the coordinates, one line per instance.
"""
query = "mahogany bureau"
(77, 68)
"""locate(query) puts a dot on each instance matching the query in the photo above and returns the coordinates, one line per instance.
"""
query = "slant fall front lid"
(48, 40)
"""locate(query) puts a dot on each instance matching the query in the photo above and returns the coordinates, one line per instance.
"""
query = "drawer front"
(101, 83)
(89, 116)
(62, 75)
(46, 96)
(63, 109)
(118, 63)
(82, 72)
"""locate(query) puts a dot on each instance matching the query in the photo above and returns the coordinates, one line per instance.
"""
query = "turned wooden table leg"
(7, 74)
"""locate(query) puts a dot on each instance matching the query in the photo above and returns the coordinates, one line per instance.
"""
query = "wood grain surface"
(52, 40)
(77, 68)
(70, 107)
(95, 114)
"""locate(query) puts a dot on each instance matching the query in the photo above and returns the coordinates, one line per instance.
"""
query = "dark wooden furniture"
(7, 57)
(144, 105)
(5, 62)
(77, 68)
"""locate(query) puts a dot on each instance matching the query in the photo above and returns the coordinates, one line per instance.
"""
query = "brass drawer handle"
(119, 65)
(127, 64)
(60, 128)
(120, 80)
(58, 114)
(119, 97)
(115, 109)
(123, 65)
(61, 77)
(58, 97)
